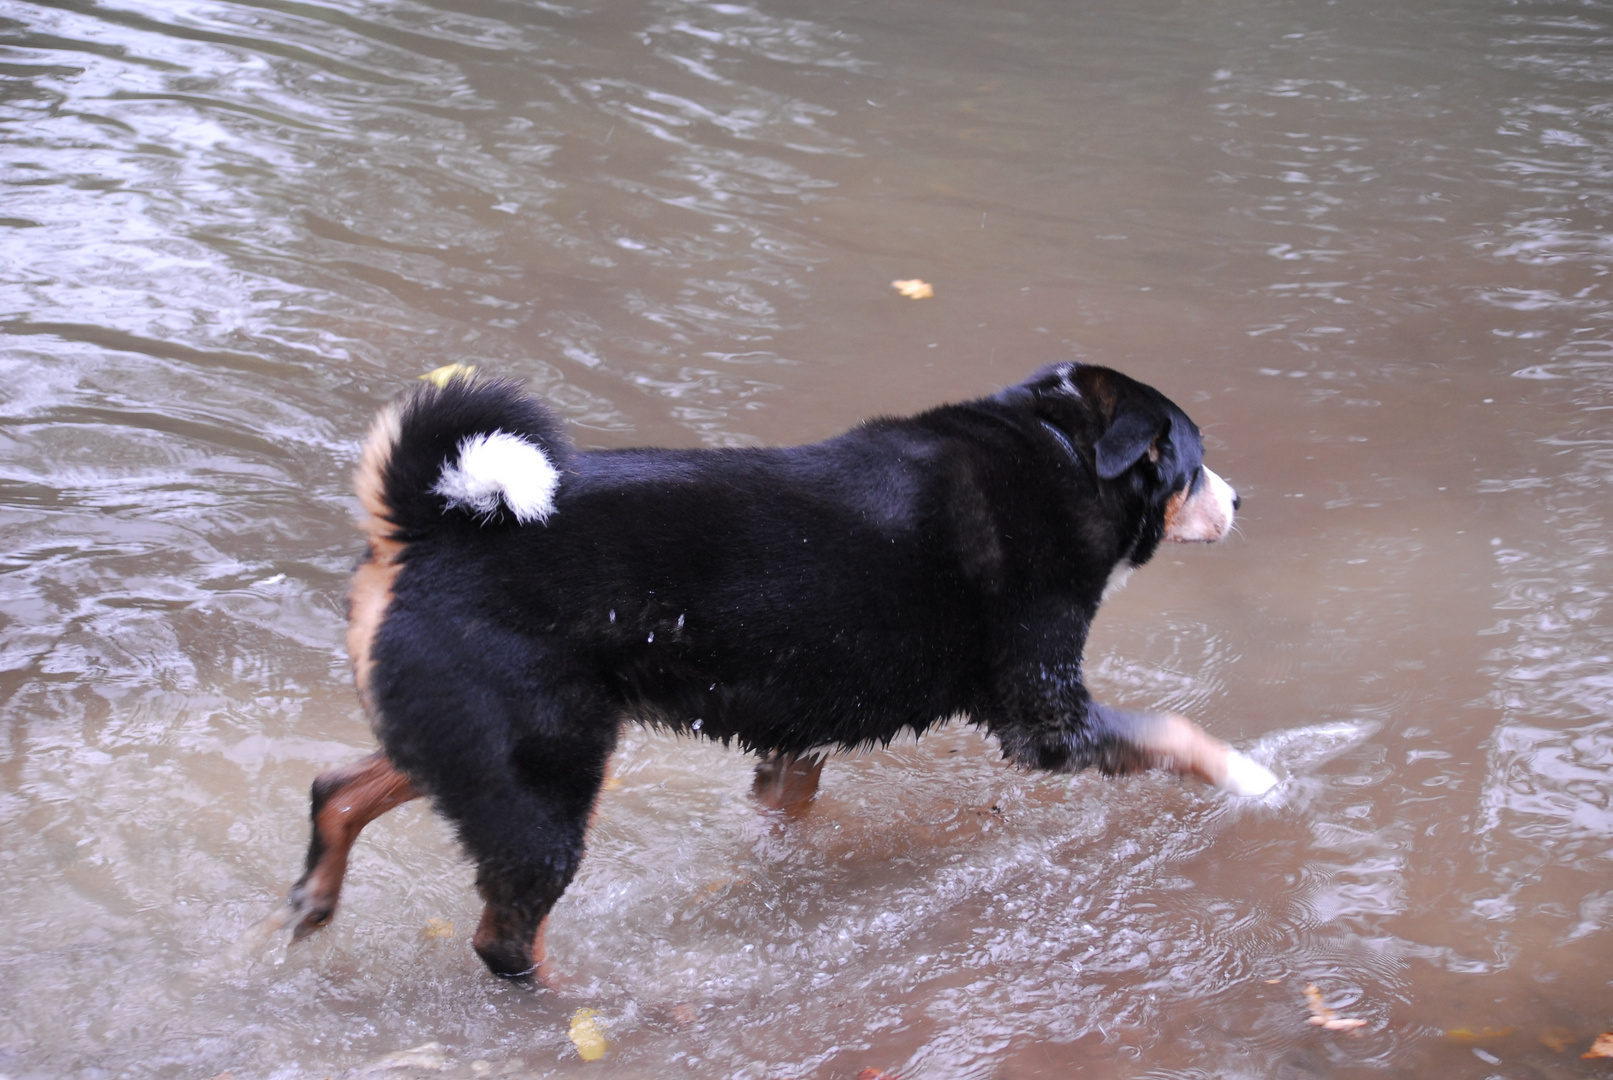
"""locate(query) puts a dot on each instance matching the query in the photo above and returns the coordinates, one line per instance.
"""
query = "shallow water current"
(1366, 245)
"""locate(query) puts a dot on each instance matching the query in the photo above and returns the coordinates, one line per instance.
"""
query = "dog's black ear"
(1130, 437)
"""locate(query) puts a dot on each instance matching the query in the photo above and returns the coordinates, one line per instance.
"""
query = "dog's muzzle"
(1203, 514)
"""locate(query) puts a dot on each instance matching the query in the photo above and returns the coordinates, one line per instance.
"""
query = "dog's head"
(1143, 451)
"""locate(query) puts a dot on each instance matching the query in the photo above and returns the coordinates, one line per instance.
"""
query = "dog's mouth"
(1201, 513)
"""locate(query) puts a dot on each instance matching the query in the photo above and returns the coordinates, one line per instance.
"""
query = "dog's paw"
(1246, 776)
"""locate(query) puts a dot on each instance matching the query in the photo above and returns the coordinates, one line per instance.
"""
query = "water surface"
(1366, 245)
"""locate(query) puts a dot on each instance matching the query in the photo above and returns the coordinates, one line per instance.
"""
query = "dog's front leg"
(1049, 721)
(523, 815)
(1126, 741)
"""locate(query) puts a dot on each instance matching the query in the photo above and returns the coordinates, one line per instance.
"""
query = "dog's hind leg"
(343, 801)
(509, 938)
(787, 782)
(524, 821)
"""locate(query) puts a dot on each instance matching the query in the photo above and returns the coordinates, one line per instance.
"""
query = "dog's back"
(781, 598)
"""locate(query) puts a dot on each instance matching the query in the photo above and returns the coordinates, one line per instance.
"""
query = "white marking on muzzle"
(1204, 516)
(500, 467)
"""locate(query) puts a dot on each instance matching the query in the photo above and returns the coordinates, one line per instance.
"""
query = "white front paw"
(1246, 776)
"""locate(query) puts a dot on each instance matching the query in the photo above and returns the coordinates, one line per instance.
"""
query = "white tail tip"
(500, 468)
(1246, 776)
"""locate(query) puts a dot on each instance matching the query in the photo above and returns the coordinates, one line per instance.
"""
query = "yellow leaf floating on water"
(438, 928)
(588, 1035)
(914, 289)
(439, 376)
(1483, 1034)
(1601, 1048)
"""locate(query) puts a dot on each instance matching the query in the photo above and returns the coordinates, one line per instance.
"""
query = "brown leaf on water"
(1601, 1048)
(877, 1074)
(437, 928)
(914, 288)
(1557, 1038)
(1324, 1017)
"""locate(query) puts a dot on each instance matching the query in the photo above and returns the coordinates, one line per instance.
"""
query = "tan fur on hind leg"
(787, 783)
(344, 801)
(493, 943)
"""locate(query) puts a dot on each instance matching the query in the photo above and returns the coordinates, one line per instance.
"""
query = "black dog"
(520, 599)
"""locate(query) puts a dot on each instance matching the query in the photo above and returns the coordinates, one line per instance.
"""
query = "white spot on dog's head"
(1202, 515)
(1067, 381)
(498, 467)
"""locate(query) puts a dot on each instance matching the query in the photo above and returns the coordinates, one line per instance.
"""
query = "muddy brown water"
(1365, 244)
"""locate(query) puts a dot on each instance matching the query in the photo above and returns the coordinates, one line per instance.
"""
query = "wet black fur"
(884, 580)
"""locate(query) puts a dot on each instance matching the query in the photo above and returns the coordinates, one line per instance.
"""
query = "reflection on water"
(1365, 245)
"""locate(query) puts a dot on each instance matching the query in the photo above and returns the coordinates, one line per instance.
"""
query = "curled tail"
(473, 449)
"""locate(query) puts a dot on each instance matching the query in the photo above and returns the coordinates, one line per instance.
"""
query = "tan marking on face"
(1173, 512)
(1202, 517)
